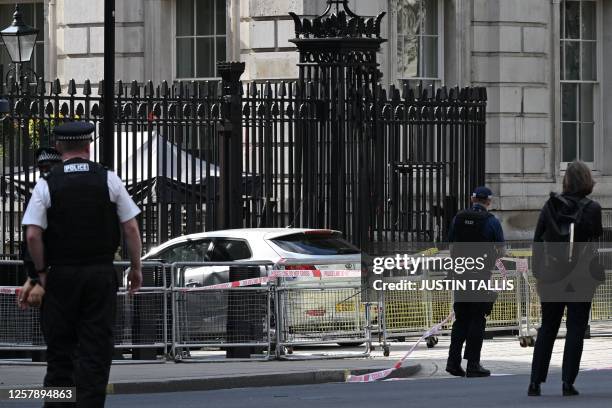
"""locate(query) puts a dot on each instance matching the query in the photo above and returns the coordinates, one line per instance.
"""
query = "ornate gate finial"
(340, 23)
(344, 4)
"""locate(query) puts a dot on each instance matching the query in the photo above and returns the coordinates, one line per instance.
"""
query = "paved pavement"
(502, 355)
(497, 391)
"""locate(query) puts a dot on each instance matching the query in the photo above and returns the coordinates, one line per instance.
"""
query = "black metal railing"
(332, 149)
(418, 152)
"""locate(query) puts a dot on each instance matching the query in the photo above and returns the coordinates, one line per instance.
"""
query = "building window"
(33, 14)
(200, 37)
(418, 24)
(578, 79)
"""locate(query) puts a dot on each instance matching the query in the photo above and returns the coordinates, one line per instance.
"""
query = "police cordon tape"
(379, 375)
(339, 273)
(9, 290)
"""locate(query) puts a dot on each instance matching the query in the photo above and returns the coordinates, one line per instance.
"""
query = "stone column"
(511, 56)
(158, 40)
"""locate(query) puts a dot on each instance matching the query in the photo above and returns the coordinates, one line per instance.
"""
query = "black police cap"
(48, 154)
(482, 192)
(74, 131)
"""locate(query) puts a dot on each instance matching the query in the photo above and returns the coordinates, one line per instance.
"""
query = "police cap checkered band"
(48, 154)
(74, 131)
(482, 192)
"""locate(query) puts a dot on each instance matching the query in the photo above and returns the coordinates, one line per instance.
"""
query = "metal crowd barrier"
(178, 310)
(208, 316)
(321, 314)
(409, 313)
(322, 311)
(140, 319)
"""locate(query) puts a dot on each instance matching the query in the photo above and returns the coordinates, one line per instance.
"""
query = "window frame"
(174, 38)
(246, 242)
(598, 139)
(163, 253)
(393, 40)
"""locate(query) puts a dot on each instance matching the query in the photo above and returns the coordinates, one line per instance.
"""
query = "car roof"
(243, 233)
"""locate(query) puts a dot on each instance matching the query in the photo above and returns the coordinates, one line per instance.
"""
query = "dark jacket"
(564, 271)
(590, 226)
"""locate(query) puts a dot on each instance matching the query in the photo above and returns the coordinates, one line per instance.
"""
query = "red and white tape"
(502, 269)
(379, 375)
(9, 290)
(340, 273)
(229, 285)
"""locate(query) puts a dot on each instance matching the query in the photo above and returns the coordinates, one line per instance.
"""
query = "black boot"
(569, 390)
(455, 369)
(476, 370)
(534, 390)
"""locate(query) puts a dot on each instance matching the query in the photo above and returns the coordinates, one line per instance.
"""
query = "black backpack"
(562, 213)
(557, 255)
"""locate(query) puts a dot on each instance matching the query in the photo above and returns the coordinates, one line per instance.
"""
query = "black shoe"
(476, 370)
(455, 369)
(534, 390)
(569, 390)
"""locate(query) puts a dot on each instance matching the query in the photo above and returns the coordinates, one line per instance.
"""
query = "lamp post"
(19, 40)
(108, 98)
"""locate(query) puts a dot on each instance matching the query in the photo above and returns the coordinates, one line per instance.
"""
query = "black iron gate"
(333, 149)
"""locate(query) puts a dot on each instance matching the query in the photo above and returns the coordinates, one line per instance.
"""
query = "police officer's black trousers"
(468, 328)
(77, 319)
(577, 322)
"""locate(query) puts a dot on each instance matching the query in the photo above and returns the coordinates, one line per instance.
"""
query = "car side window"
(226, 250)
(190, 251)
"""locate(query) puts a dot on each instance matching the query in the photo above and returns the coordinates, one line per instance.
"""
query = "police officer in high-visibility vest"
(82, 208)
(474, 232)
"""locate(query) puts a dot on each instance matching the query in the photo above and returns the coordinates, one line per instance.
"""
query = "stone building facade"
(542, 62)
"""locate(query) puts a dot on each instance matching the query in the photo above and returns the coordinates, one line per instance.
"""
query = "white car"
(296, 248)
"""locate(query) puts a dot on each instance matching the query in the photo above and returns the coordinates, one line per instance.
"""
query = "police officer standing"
(46, 158)
(81, 208)
(474, 225)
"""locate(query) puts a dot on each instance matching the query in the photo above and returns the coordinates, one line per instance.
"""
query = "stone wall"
(266, 28)
(511, 56)
(80, 40)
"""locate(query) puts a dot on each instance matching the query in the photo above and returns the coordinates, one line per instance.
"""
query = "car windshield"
(316, 244)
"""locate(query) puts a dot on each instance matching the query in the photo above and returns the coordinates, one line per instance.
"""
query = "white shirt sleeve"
(36, 212)
(126, 208)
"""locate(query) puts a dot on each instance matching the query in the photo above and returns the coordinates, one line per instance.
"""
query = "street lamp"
(19, 40)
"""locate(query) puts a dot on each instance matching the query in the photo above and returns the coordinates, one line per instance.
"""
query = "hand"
(36, 296)
(134, 279)
(23, 294)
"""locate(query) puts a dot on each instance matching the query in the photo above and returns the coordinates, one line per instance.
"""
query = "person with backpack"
(563, 259)
(473, 233)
